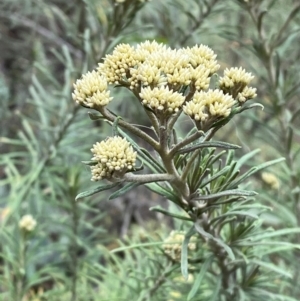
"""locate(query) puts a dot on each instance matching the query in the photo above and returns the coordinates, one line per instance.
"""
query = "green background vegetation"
(44, 47)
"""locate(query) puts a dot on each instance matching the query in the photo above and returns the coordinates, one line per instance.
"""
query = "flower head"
(247, 93)
(91, 90)
(213, 103)
(271, 180)
(161, 99)
(200, 76)
(113, 154)
(27, 223)
(144, 49)
(147, 74)
(116, 66)
(173, 244)
(235, 82)
(202, 55)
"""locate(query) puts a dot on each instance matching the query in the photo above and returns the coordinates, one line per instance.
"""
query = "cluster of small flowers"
(235, 82)
(271, 180)
(211, 103)
(91, 90)
(27, 223)
(166, 81)
(173, 244)
(114, 154)
(162, 98)
(158, 73)
(151, 63)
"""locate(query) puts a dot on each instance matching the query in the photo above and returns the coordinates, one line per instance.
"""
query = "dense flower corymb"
(162, 99)
(27, 223)
(113, 154)
(116, 66)
(154, 64)
(271, 180)
(91, 90)
(235, 82)
(213, 103)
(202, 55)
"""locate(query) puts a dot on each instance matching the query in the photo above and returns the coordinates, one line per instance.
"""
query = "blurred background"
(45, 45)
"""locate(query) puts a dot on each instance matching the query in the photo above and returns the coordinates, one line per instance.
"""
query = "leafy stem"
(134, 130)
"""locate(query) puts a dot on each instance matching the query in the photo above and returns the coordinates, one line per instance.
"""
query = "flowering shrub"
(209, 238)
(167, 82)
(190, 171)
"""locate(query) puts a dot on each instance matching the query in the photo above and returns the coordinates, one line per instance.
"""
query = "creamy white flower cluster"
(204, 105)
(91, 90)
(173, 244)
(151, 63)
(160, 75)
(271, 180)
(235, 82)
(162, 99)
(158, 72)
(27, 223)
(114, 154)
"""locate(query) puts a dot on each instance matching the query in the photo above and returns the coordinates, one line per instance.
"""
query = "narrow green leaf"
(234, 213)
(245, 158)
(199, 278)
(267, 295)
(275, 233)
(217, 240)
(30, 133)
(272, 267)
(166, 212)
(115, 128)
(215, 176)
(229, 158)
(11, 141)
(68, 58)
(90, 162)
(163, 191)
(96, 190)
(289, 139)
(94, 116)
(123, 190)
(251, 106)
(208, 144)
(184, 252)
(296, 113)
(154, 162)
(215, 295)
(286, 213)
(136, 246)
(225, 193)
(260, 20)
(277, 246)
(254, 170)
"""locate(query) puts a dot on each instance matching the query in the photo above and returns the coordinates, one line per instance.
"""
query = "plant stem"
(21, 272)
(134, 130)
(147, 178)
(159, 281)
(185, 142)
(189, 164)
(74, 248)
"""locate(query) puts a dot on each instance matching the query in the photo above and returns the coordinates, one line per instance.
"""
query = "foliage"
(73, 252)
